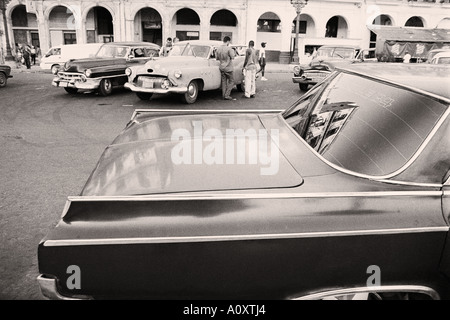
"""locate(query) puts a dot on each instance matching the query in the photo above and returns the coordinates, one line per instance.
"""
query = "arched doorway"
(24, 26)
(307, 29)
(99, 25)
(269, 31)
(148, 26)
(186, 24)
(336, 28)
(62, 25)
(223, 23)
(381, 20)
(414, 22)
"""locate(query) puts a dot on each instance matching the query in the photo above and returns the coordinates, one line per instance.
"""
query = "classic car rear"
(325, 61)
(5, 74)
(190, 68)
(106, 70)
(248, 204)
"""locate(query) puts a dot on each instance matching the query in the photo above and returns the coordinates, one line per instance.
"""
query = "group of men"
(164, 52)
(225, 54)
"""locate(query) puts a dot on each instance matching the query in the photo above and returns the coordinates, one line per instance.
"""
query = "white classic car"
(191, 67)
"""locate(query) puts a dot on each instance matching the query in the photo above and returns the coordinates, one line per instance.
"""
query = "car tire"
(191, 95)
(144, 95)
(105, 87)
(71, 90)
(303, 87)
(3, 80)
(55, 68)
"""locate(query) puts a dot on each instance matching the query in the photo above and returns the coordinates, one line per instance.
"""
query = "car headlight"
(88, 72)
(165, 84)
(128, 71)
(296, 69)
(83, 78)
(66, 65)
(178, 74)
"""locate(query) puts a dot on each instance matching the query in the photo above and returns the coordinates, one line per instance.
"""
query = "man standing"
(262, 60)
(164, 52)
(250, 70)
(225, 54)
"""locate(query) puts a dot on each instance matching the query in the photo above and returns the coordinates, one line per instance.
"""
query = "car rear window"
(370, 127)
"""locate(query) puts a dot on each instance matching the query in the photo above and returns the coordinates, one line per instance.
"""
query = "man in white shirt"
(262, 60)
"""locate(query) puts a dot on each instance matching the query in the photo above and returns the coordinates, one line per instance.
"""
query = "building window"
(269, 22)
(302, 27)
(220, 35)
(70, 38)
(187, 17)
(188, 35)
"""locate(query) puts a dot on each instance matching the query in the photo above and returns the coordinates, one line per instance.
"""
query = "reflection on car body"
(363, 181)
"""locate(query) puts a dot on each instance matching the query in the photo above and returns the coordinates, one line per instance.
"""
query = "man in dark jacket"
(225, 54)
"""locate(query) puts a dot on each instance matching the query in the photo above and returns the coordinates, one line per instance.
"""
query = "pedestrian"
(164, 52)
(33, 55)
(26, 56)
(19, 56)
(262, 60)
(38, 52)
(406, 57)
(225, 54)
(175, 40)
(250, 70)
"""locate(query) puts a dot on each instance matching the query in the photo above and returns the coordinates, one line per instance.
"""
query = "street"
(51, 141)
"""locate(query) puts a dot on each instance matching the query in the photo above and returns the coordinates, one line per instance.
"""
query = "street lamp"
(3, 4)
(298, 5)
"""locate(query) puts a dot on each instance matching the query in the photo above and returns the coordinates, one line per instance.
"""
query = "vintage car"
(345, 193)
(441, 58)
(326, 60)
(5, 73)
(191, 67)
(106, 70)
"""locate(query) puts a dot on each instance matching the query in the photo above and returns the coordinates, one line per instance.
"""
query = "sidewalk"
(34, 68)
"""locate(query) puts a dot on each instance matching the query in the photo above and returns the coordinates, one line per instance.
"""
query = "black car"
(107, 69)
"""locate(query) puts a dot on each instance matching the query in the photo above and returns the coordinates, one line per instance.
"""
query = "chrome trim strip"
(187, 239)
(417, 184)
(396, 288)
(233, 196)
(212, 111)
(50, 291)
(388, 176)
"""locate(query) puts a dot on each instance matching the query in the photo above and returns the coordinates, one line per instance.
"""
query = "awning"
(410, 34)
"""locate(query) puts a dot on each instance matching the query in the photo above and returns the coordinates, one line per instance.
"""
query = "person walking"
(250, 70)
(225, 54)
(262, 60)
(33, 55)
(26, 56)
(19, 56)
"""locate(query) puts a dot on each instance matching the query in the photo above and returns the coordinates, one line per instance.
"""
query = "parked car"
(5, 73)
(360, 191)
(57, 56)
(106, 70)
(434, 52)
(191, 67)
(326, 60)
(441, 58)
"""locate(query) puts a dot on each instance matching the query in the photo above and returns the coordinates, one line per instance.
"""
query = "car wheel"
(105, 87)
(55, 68)
(3, 80)
(192, 93)
(71, 90)
(303, 87)
(144, 95)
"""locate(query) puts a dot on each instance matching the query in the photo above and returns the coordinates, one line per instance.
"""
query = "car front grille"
(149, 82)
(69, 76)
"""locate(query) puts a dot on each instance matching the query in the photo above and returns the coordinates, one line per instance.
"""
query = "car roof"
(433, 79)
(442, 54)
(201, 42)
(133, 44)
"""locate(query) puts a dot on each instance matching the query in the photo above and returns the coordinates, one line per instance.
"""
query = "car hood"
(173, 154)
(80, 65)
(166, 65)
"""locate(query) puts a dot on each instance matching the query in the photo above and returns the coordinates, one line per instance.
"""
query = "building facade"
(52, 22)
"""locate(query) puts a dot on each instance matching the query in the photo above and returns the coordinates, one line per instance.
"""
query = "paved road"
(50, 141)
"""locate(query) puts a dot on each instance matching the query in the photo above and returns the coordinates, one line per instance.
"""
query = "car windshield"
(363, 125)
(188, 49)
(344, 53)
(112, 52)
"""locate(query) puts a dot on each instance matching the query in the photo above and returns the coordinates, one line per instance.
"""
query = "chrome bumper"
(90, 84)
(301, 79)
(50, 291)
(135, 88)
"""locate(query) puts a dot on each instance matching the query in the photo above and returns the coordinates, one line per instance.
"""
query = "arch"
(186, 24)
(102, 5)
(148, 25)
(415, 21)
(444, 24)
(24, 26)
(307, 25)
(223, 23)
(336, 27)
(99, 25)
(63, 21)
(383, 20)
(269, 22)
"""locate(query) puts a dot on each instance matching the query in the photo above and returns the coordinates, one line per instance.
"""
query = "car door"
(213, 76)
